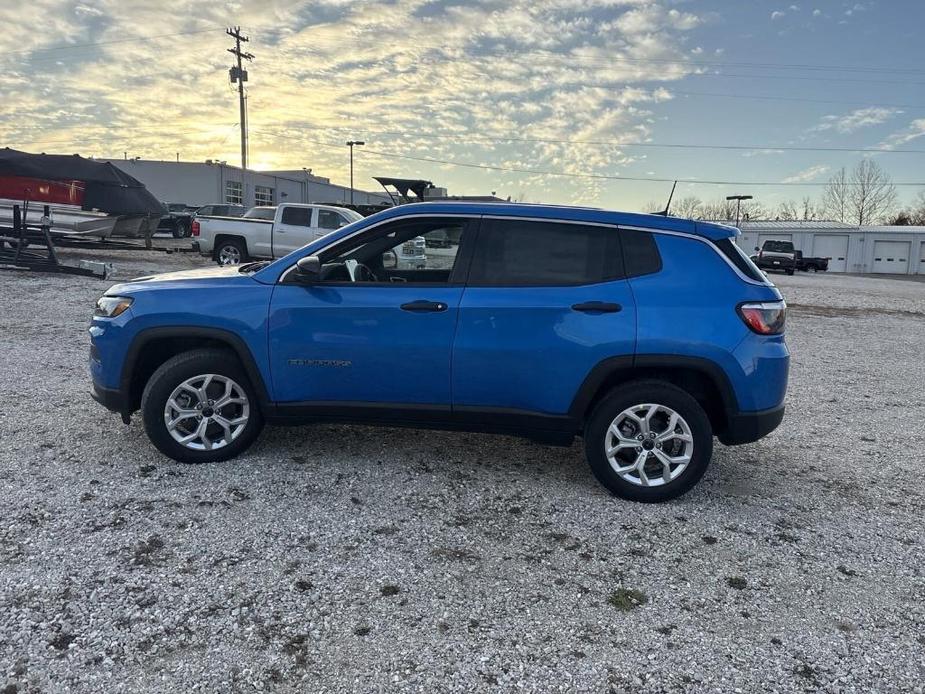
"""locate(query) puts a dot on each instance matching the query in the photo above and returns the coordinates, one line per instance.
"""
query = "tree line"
(863, 195)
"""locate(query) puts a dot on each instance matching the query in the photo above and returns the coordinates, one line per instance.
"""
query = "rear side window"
(640, 253)
(297, 216)
(778, 246)
(528, 253)
(739, 259)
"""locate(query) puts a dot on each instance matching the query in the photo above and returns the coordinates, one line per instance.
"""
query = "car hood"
(200, 273)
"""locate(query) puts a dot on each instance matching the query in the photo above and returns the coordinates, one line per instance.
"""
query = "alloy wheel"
(649, 445)
(229, 255)
(206, 412)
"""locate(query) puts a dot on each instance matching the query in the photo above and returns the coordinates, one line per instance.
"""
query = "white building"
(895, 250)
(203, 183)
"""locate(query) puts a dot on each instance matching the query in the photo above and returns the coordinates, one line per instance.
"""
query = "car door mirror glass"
(389, 260)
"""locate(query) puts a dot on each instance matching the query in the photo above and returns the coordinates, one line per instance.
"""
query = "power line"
(133, 39)
(541, 172)
(465, 137)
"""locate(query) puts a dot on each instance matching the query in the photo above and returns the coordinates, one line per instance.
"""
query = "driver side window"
(415, 251)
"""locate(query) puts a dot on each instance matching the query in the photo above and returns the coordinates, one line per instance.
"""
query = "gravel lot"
(338, 558)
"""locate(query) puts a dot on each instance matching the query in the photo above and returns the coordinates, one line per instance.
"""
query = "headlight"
(111, 306)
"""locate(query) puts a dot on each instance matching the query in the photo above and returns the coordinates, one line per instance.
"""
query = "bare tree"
(810, 209)
(865, 196)
(913, 215)
(872, 194)
(688, 207)
(787, 211)
(835, 198)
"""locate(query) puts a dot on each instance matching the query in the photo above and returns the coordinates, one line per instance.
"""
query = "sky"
(603, 91)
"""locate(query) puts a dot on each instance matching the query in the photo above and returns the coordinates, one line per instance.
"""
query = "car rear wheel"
(231, 252)
(200, 407)
(648, 441)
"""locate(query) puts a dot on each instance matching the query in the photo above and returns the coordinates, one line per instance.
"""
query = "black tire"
(238, 247)
(175, 371)
(790, 272)
(180, 229)
(643, 392)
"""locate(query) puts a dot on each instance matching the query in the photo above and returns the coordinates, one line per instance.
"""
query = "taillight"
(765, 317)
(194, 227)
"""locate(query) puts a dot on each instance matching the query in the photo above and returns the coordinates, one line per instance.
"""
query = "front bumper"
(745, 427)
(112, 399)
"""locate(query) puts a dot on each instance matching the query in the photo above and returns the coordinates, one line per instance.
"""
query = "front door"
(367, 333)
(545, 303)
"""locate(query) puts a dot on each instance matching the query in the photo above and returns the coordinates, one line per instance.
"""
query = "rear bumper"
(745, 427)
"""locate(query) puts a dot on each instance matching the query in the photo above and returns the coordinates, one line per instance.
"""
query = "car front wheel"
(648, 441)
(200, 407)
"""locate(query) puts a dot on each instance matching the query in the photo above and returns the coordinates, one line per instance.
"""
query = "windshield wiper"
(253, 267)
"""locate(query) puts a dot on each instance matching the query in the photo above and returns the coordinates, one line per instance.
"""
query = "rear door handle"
(597, 307)
(423, 306)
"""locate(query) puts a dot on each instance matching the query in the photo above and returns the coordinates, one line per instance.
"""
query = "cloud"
(855, 120)
(809, 174)
(817, 13)
(328, 71)
(913, 131)
(777, 14)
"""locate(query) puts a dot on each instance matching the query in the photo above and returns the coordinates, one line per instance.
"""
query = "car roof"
(563, 213)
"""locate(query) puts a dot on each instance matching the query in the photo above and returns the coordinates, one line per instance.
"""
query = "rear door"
(544, 303)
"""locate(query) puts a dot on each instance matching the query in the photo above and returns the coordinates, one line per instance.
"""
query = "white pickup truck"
(262, 233)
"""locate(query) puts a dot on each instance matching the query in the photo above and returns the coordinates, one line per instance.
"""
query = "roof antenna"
(664, 213)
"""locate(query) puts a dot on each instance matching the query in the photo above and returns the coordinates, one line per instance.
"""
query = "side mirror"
(757, 249)
(309, 269)
(389, 260)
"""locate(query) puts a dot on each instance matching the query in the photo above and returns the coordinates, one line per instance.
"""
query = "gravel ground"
(340, 558)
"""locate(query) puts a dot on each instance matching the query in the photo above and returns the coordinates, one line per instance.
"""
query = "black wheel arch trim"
(630, 363)
(235, 342)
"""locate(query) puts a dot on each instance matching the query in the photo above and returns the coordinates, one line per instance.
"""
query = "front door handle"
(423, 306)
(597, 307)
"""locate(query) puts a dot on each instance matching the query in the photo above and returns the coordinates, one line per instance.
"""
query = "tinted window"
(640, 253)
(515, 252)
(328, 219)
(739, 259)
(298, 216)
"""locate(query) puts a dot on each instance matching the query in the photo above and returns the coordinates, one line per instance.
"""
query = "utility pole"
(738, 199)
(239, 75)
(351, 144)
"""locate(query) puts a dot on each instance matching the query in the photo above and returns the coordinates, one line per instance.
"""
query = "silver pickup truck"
(266, 232)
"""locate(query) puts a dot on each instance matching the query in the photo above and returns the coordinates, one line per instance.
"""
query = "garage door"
(835, 248)
(891, 257)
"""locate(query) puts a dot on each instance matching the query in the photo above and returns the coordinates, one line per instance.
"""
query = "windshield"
(260, 213)
(778, 246)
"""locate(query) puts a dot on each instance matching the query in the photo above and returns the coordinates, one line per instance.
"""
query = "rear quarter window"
(640, 253)
(739, 259)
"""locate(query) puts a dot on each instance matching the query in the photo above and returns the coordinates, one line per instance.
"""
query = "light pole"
(350, 144)
(738, 199)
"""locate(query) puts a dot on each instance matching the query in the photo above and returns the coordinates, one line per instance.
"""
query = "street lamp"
(350, 144)
(738, 199)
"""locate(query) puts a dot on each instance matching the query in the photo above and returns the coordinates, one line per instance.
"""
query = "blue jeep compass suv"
(645, 335)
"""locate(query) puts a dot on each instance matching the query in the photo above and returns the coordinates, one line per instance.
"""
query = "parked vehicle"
(177, 219)
(814, 264)
(646, 335)
(777, 255)
(221, 211)
(292, 225)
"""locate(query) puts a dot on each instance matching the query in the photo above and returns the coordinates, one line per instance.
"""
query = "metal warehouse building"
(894, 250)
(203, 183)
